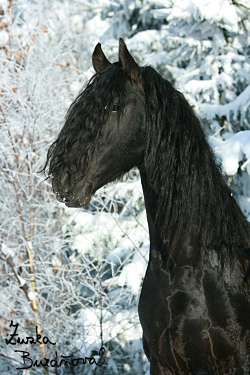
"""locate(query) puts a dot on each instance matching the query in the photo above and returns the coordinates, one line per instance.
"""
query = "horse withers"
(195, 301)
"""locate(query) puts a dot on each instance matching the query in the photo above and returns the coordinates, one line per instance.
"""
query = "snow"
(218, 11)
(90, 264)
(232, 151)
(133, 273)
(32, 296)
(239, 104)
(4, 37)
(8, 252)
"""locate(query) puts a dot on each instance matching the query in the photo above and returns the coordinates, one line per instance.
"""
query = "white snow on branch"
(232, 151)
(238, 105)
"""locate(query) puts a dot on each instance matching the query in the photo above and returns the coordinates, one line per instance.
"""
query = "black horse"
(195, 301)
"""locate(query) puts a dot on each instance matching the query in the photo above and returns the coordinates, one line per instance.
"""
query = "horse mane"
(194, 201)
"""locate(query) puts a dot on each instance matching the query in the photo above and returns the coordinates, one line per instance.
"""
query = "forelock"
(85, 119)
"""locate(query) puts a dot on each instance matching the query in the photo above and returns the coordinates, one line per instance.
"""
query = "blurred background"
(76, 274)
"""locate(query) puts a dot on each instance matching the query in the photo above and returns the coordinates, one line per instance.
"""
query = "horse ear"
(128, 63)
(99, 60)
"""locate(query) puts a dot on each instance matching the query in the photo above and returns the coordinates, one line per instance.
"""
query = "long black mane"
(193, 199)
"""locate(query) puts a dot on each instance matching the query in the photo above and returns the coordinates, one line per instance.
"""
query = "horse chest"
(166, 306)
(189, 324)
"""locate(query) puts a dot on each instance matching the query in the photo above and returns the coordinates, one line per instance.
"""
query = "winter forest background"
(76, 274)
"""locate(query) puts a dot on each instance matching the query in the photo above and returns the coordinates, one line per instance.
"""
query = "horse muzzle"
(73, 197)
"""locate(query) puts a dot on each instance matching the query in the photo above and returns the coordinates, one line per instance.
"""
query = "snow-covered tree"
(76, 274)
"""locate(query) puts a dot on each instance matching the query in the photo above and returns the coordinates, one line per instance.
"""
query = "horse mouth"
(81, 200)
(79, 203)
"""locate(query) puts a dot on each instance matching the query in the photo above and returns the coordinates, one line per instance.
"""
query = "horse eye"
(116, 108)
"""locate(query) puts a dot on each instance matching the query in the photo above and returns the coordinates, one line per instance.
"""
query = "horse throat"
(157, 245)
(162, 256)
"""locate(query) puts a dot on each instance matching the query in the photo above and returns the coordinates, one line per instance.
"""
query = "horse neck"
(151, 198)
(161, 253)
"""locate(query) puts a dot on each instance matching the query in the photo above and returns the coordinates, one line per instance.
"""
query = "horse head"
(103, 135)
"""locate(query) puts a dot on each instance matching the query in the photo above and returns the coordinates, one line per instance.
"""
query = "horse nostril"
(60, 197)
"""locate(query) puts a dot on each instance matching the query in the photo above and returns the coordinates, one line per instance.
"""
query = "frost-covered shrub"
(77, 274)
